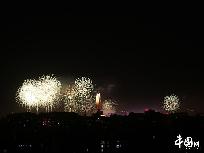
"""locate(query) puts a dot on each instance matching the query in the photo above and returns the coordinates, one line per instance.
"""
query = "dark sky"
(136, 55)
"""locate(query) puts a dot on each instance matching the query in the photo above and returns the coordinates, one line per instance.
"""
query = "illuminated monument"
(98, 104)
(98, 101)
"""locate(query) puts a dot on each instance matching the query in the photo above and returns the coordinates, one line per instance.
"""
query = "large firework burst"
(29, 95)
(50, 88)
(79, 97)
(171, 103)
(39, 93)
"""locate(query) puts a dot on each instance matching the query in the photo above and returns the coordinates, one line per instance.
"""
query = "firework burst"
(70, 99)
(108, 107)
(84, 89)
(39, 93)
(79, 96)
(50, 88)
(171, 103)
(28, 94)
(83, 86)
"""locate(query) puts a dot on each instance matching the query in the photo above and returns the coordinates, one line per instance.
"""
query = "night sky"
(134, 55)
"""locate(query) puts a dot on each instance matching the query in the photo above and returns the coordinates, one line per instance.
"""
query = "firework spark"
(108, 107)
(171, 103)
(50, 88)
(79, 97)
(28, 94)
(70, 99)
(83, 86)
(39, 93)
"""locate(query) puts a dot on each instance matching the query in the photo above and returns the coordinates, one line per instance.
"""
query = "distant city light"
(146, 109)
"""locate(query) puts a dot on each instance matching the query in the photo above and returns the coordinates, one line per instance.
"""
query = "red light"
(146, 109)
